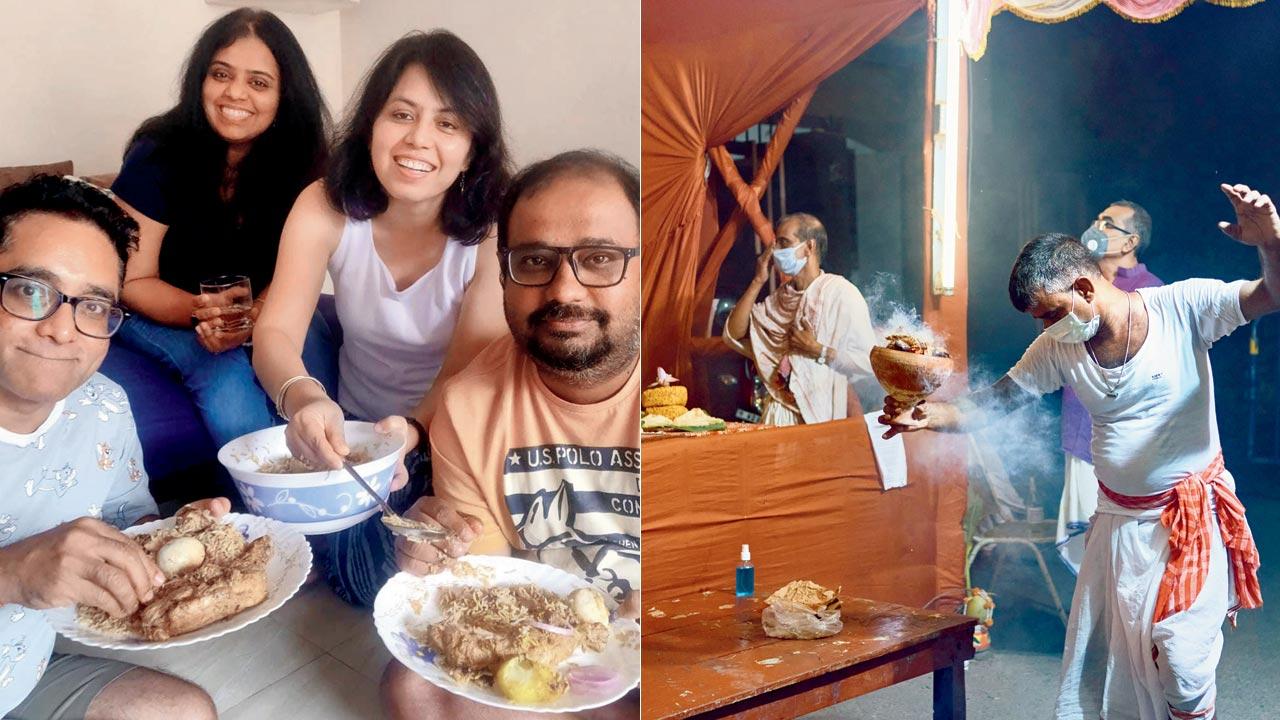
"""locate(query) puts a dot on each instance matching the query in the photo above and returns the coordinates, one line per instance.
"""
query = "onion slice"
(592, 679)
(553, 629)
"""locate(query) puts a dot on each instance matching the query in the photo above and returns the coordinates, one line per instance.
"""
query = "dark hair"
(463, 82)
(810, 229)
(72, 199)
(1140, 224)
(1049, 264)
(574, 162)
(283, 160)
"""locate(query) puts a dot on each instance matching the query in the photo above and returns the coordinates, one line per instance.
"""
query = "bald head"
(804, 227)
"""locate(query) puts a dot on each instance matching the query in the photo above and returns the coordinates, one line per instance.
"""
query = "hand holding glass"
(234, 296)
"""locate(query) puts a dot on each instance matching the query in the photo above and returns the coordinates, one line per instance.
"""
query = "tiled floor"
(316, 658)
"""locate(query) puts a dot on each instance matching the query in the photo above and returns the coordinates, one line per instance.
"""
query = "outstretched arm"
(1257, 224)
(966, 414)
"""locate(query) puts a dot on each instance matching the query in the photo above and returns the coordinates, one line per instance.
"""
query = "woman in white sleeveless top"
(403, 224)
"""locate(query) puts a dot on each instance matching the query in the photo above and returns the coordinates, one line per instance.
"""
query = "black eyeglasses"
(1108, 224)
(594, 266)
(32, 299)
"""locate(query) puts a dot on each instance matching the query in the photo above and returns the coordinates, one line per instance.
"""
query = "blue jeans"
(223, 386)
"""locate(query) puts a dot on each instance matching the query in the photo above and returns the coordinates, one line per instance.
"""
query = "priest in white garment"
(1169, 555)
(810, 338)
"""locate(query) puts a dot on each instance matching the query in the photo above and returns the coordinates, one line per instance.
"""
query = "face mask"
(787, 261)
(1071, 329)
(1097, 242)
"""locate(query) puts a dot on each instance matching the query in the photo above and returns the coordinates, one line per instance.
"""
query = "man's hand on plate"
(425, 558)
(84, 561)
(217, 507)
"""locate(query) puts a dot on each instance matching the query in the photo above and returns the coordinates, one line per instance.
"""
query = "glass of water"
(236, 301)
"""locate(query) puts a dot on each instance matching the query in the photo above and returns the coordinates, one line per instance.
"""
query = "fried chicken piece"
(233, 577)
(207, 594)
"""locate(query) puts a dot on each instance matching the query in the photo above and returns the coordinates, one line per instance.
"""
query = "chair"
(999, 526)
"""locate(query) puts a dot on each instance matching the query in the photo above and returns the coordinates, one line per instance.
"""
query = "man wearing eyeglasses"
(72, 472)
(811, 338)
(1114, 239)
(536, 445)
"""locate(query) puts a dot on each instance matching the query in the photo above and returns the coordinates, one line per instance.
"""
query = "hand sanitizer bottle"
(746, 582)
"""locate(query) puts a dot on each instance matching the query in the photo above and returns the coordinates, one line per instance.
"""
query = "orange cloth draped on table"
(808, 500)
(711, 69)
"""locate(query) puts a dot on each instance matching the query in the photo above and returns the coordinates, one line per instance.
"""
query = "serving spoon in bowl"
(411, 530)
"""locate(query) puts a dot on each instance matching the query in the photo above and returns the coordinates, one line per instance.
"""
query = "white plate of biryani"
(224, 574)
(510, 633)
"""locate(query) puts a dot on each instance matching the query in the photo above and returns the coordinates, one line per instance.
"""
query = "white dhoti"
(1107, 668)
(1079, 503)
(777, 413)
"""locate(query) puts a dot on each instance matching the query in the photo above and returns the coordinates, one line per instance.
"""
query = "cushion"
(17, 173)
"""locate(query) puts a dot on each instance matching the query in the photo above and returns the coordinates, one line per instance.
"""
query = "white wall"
(77, 77)
(567, 71)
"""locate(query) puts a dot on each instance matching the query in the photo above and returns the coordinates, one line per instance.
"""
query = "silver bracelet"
(284, 388)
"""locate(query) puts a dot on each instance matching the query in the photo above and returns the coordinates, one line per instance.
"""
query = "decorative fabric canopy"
(978, 13)
(710, 70)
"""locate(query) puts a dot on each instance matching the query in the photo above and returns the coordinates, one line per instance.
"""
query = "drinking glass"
(237, 303)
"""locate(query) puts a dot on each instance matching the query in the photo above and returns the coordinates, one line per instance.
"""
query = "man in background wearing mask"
(1114, 240)
(1169, 555)
(810, 338)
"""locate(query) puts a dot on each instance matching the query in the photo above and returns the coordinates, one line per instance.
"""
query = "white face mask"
(787, 260)
(1071, 329)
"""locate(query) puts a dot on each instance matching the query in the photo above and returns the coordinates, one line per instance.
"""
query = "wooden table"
(705, 654)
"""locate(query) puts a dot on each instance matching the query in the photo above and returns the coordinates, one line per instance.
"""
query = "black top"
(207, 237)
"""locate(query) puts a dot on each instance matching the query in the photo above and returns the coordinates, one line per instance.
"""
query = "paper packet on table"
(802, 610)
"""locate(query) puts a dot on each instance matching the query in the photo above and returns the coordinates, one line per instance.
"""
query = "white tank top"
(394, 341)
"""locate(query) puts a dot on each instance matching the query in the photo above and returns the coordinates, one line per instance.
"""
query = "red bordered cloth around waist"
(1186, 515)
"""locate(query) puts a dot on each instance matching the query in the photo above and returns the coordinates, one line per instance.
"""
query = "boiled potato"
(529, 683)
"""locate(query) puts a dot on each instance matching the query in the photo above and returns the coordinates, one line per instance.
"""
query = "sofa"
(178, 453)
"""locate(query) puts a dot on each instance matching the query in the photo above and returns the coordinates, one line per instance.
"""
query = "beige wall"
(78, 76)
(567, 71)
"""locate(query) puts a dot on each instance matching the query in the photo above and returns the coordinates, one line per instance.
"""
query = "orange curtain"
(711, 69)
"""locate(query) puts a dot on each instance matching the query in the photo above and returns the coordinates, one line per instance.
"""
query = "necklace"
(1112, 387)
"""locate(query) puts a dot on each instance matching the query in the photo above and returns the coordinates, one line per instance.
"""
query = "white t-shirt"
(84, 460)
(1161, 426)
(393, 341)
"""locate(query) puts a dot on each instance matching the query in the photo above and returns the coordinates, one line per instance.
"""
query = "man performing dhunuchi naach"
(1145, 632)
(810, 338)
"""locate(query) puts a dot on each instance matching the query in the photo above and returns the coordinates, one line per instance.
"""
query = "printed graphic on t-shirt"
(578, 508)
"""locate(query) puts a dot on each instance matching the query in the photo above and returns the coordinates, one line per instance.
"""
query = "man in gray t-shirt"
(71, 473)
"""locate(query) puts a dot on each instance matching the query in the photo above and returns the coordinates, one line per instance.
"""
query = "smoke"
(1011, 448)
(891, 314)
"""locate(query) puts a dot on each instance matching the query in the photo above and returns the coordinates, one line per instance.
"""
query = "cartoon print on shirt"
(10, 655)
(8, 526)
(135, 472)
(108, 401)
(105, 461)
(54, 481)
